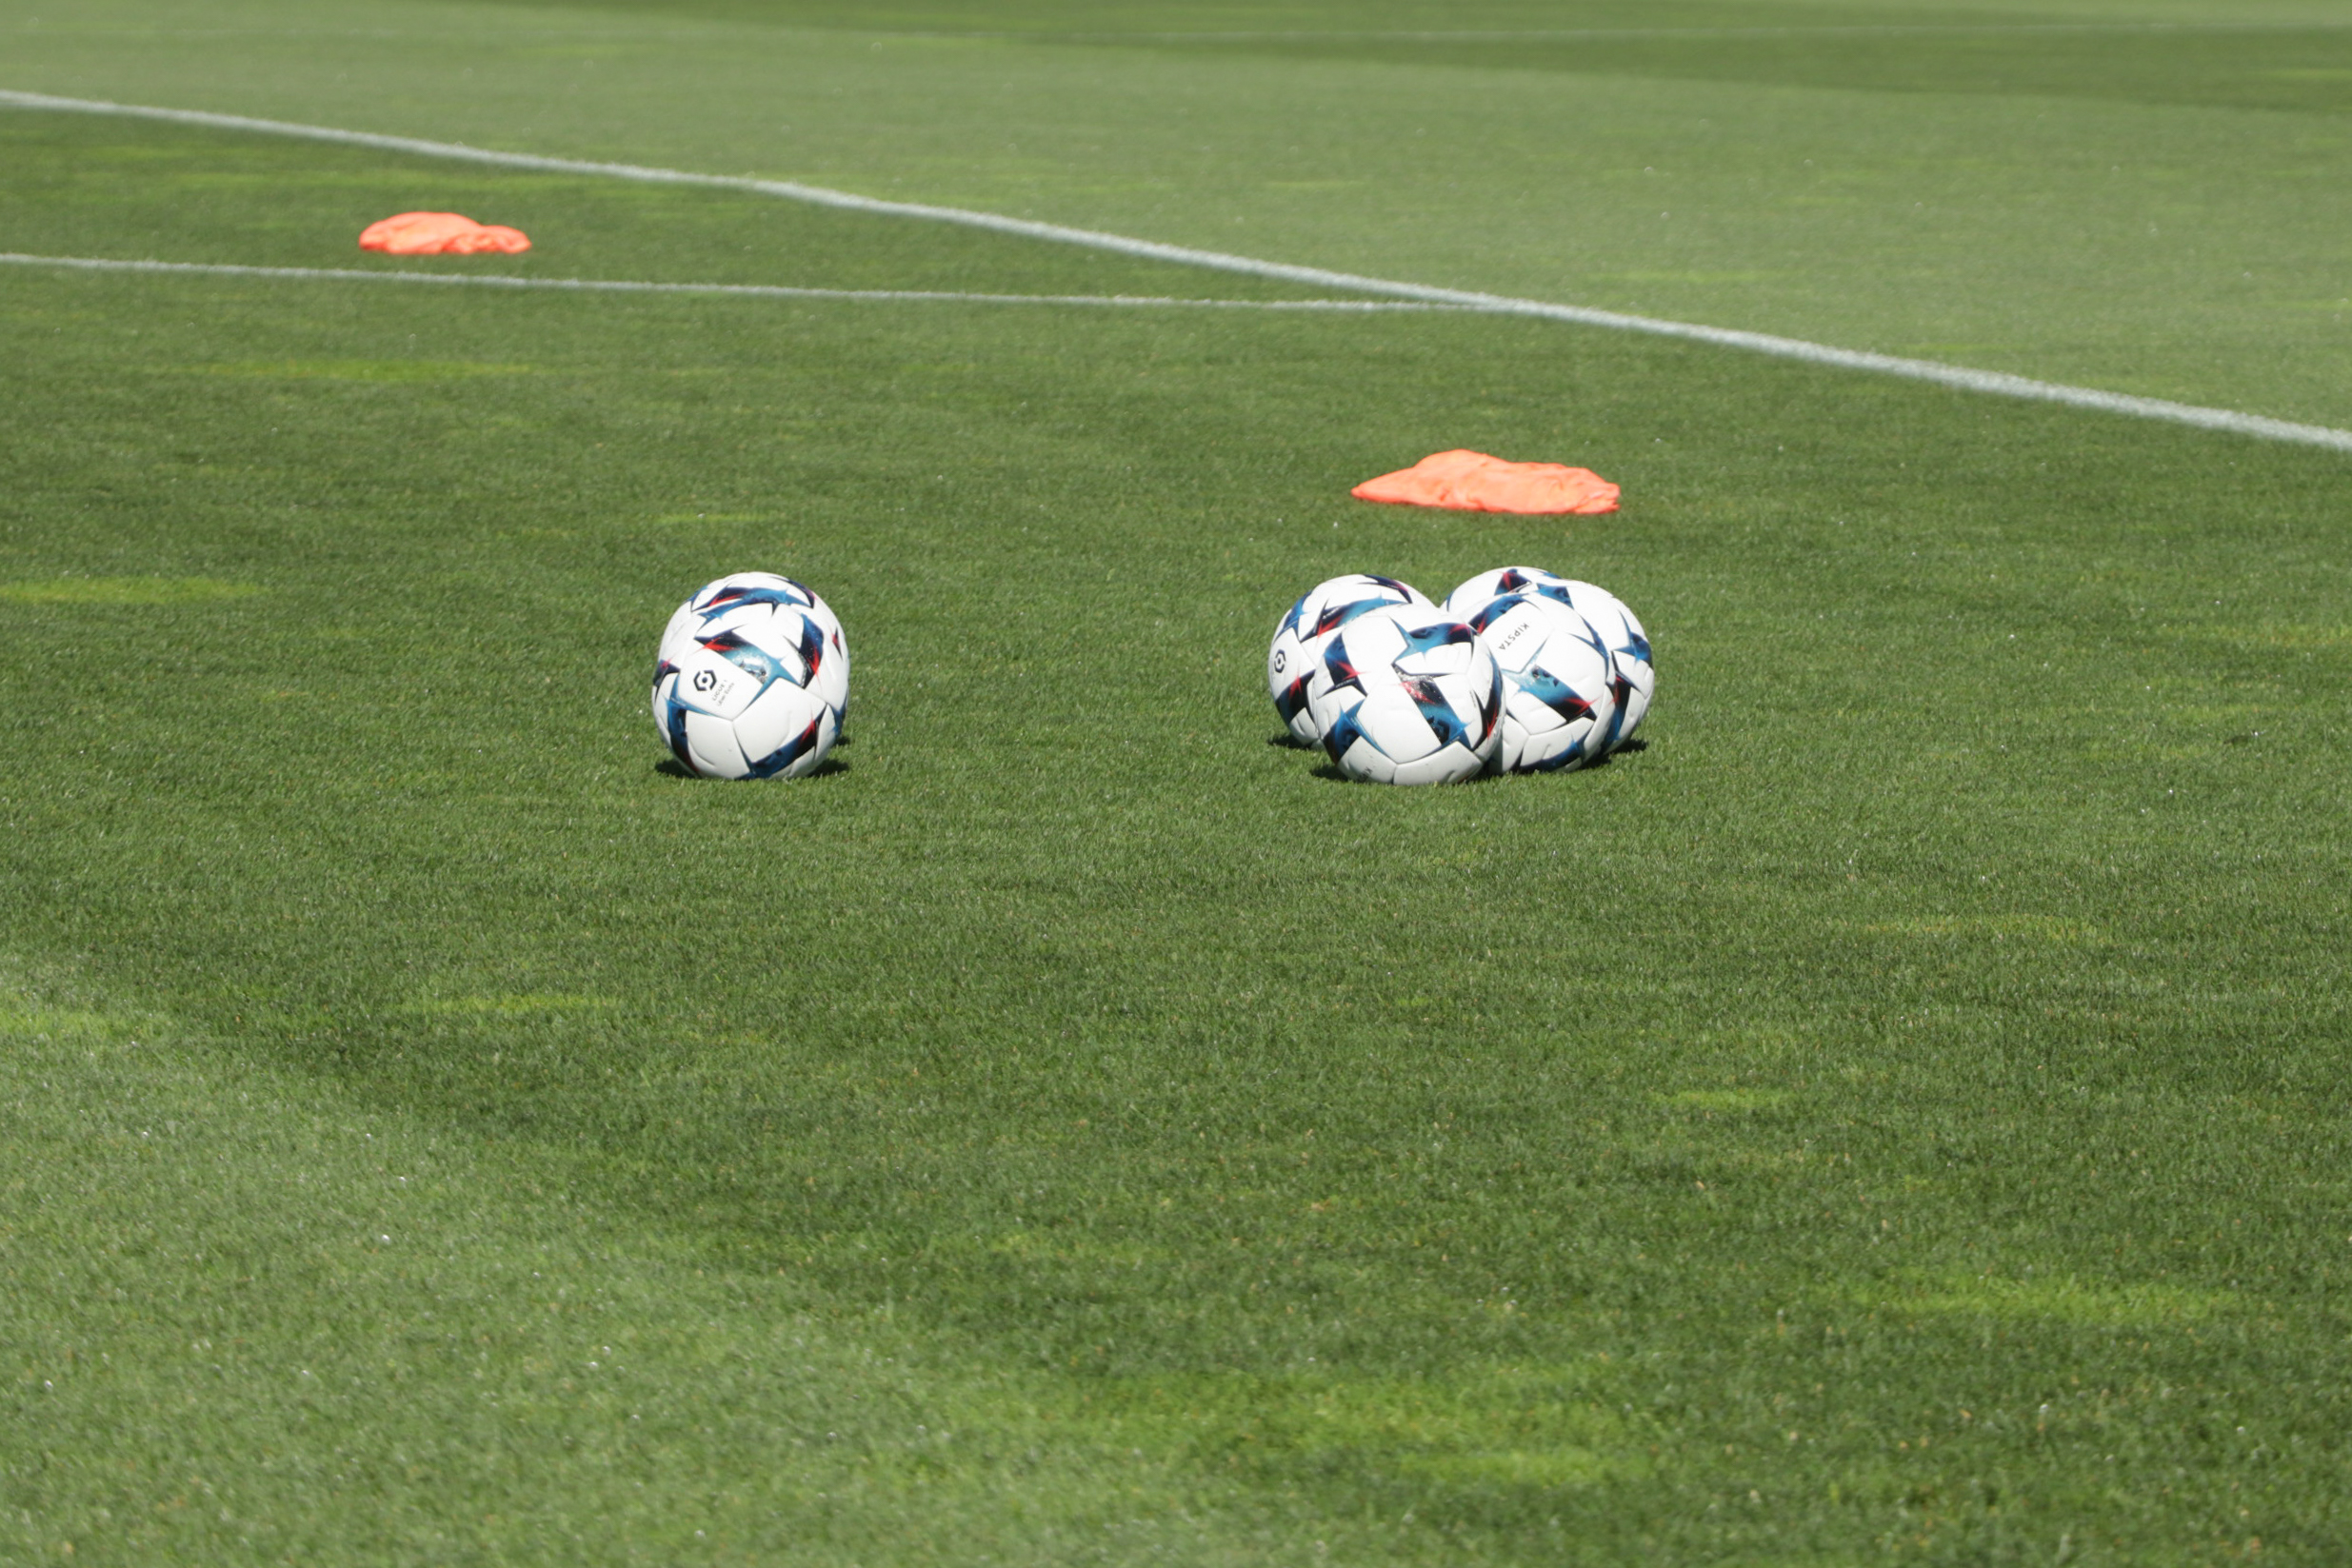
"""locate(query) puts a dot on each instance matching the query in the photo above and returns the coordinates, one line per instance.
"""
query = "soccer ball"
(752, 679)
(1409, 695)
(1296, 658)
(746, 588)
(1633, 675)
(1559, 705)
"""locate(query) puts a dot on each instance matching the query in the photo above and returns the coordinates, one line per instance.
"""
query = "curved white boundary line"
(1994, 383)
(756, 290)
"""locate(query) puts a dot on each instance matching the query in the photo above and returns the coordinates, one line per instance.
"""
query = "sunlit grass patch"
(2288, 634)
(1517, 1426)
(2064, 1299)
(40, 1021)
(393, 372)
(2056, 930)
(124, 590)
(1687, 276)
(25, 1020)
(510, 1004)
(1544, 1469)
(1727, 1099)
(1025, 1244)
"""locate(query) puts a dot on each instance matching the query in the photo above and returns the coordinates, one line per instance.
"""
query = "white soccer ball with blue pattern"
(1296, 659)
(1409, 695)
(1633, 673)
(1559, 701)
(752, 679)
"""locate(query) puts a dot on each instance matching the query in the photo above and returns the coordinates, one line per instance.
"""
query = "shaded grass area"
(1896, 1113)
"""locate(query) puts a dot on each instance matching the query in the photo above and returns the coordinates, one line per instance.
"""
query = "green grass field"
(1896, 1115)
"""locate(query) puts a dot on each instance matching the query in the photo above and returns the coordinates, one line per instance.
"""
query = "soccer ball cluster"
(752, 679)
(1519, 671)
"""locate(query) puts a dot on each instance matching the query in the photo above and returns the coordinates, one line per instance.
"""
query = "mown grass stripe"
(1962, 378)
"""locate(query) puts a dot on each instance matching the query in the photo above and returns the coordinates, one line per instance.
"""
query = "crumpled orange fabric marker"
(1464, 481)
(441, 234)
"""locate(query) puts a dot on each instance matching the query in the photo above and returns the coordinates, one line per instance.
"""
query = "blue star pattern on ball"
(1340, 670)
(1441, 634)
(1345, 731)
(1437, 713)
(735, 596)
(791, 751)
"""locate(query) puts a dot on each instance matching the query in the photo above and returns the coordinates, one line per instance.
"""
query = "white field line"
(755, 290)
(1992, 383)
